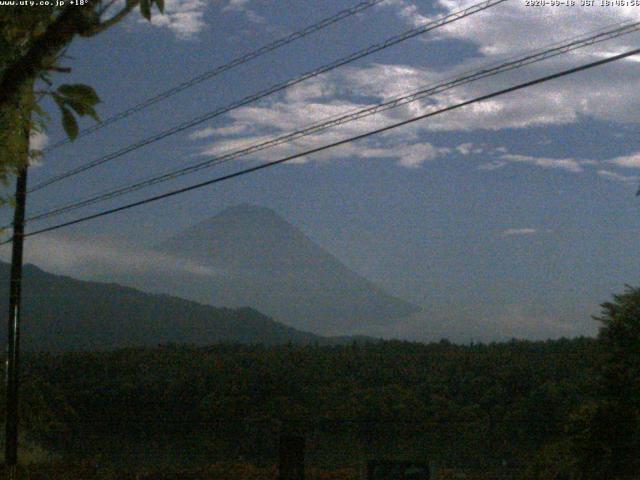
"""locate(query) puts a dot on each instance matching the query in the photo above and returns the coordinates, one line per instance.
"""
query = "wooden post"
(13, 327)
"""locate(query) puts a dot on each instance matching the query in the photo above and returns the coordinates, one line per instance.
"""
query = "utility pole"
(13, 325)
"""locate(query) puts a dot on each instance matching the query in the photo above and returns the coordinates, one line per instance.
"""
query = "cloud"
(408, 155)
(185, 18)
(351, 89)
(236, 4)
(496, 30)
(616, 177)
(317, 100)
(519, 231)
(606, 93)
(404, 152)
(569, 164)
(466, 149)
(222, 131)
(493, 165)
(407, 11)
(86, 258)
(38, 140)
(627, 161)
(243, 6)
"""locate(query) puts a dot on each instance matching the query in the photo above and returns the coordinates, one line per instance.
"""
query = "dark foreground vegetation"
(534, 410)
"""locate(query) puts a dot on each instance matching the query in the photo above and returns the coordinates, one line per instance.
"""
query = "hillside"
(61, 313)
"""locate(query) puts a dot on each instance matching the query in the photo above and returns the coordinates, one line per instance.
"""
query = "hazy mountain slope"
(62, 313)
(263, 261)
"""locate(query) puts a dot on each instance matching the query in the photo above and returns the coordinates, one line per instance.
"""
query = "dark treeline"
(475, 408)
(563, 409)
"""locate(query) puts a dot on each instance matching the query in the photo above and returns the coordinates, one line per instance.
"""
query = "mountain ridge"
(62, 313)
(275, 267)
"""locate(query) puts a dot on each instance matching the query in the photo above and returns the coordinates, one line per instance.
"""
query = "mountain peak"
(248, 208)
(274, 266)
(245, 214)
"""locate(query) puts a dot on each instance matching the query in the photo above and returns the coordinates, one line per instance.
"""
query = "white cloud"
(185, 18)
(236, 4)
(243, 6)
(493, 165)
(38, 140)
(627, 161)
(498, 29)
(222, 131)
(466, 149)
(408, 155)
(351, 89)
(407, 11)
(319, 99)
(83, 258)
(609, 175)
(400, 149)
(568, 164)
(519, 231)
(607, 92)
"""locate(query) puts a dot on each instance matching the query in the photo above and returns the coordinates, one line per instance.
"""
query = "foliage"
(481, 409)
(565, 409)
(606, 430)
(33, 42)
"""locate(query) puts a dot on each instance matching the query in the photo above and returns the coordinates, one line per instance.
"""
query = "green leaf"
(79, 107)
(59, 99)
(82, 108)
(80, 92)
(69, 123)
(93, 114)
(46, 78)
(145, 8)
(37, 109)
(160, 4)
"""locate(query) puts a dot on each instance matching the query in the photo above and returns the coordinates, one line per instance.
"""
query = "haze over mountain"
(61, 313)
(258, 259)
(249, 256)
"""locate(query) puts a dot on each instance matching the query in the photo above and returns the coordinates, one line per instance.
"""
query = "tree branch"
(101, 27)
(106, 7)
(59, 33)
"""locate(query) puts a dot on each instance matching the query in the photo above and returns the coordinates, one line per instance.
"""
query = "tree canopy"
(33, 42)
(607, 429)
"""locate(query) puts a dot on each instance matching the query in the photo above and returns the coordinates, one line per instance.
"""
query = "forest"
(553, 409)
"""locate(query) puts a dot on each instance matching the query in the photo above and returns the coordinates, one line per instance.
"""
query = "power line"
(414, 96)
(333, 145)
(220, 69)
(560, 48)
(274, 89)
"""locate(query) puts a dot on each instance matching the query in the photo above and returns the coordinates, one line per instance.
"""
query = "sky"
(512, 217)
